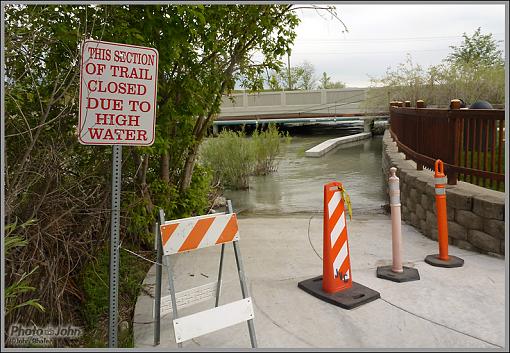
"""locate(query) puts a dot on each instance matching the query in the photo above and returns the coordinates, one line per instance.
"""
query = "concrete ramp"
(326, 146)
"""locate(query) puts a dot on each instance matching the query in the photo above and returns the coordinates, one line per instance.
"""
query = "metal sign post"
(157, 289)
(118, 98)
(114, 246)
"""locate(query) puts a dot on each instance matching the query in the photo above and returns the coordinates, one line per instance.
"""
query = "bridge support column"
(367, 125)
(245, 100)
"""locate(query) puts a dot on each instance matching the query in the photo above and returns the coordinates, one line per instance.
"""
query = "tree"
(324, 81)
(63, 185)
(50, 177)
(437, 85)
(273, 82)
(479, 49)
(302, 77)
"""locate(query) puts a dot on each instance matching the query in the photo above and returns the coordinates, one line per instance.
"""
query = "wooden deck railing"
(470, 142)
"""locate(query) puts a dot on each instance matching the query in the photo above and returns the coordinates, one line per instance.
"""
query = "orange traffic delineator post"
(442, 259)
(396, 272)
(335, 286)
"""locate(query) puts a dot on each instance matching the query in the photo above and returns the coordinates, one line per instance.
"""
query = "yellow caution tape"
(347, 200)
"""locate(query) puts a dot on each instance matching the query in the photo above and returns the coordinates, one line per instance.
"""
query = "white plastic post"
(396, 231)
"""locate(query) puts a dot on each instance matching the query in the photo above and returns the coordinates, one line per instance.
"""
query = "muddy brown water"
(297, 185)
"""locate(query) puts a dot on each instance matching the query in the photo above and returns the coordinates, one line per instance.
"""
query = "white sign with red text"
(118, 92)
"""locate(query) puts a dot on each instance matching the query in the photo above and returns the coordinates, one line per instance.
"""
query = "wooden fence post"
(419, 104)
(455, 135)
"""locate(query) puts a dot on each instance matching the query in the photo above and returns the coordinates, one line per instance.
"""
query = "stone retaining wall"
(476, 215)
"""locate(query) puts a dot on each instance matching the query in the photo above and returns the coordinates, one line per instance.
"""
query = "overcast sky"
(380, 36)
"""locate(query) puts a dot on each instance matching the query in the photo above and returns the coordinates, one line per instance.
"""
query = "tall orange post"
(335, 286)
(442, 259)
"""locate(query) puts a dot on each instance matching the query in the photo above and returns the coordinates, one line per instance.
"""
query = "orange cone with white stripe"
(335, 286)
(336, 265)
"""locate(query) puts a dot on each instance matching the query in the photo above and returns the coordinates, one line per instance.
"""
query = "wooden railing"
(470, 142)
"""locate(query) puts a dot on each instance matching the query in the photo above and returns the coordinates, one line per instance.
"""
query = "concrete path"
(447, 308)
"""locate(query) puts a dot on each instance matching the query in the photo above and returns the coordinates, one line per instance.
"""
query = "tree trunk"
(188, 167)
(165, 168)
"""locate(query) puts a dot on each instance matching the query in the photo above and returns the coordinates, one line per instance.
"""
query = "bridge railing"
(469, 142)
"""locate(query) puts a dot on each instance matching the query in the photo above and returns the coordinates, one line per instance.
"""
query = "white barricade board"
(211, 320)
(187, 298)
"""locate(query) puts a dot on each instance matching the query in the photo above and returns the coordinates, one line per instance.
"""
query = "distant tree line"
(300, 77)
(473, 71)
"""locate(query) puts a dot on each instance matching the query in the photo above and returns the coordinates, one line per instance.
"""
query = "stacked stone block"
(476, 215)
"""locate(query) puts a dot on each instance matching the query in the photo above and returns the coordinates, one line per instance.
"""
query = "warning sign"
(118, 91)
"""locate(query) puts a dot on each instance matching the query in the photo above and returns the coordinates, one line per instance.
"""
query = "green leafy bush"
(233, 157)
(94, 282)
(267, 145)
(15, 291)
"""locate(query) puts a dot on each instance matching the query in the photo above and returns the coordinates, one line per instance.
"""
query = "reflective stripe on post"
(394, 191)
(440, 191)
(440, 180)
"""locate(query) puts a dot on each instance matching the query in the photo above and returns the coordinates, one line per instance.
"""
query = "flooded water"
(297, 186)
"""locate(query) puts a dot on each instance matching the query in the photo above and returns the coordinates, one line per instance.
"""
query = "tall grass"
(267, 145)
(233, 157)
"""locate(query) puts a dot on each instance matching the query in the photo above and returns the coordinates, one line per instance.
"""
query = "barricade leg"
(396, 272)
(244, 290)
(335, 286)
(171, 288)
(218, 287)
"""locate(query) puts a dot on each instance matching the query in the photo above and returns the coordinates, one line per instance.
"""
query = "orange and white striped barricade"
(442, 259)
(193, 233)
(396, 272)
(335, 286)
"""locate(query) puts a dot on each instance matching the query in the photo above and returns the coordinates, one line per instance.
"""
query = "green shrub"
(95, 285)
(15, 289)
(232, 157)
(267, 145)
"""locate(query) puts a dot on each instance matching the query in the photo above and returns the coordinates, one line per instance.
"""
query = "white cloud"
(380, 36)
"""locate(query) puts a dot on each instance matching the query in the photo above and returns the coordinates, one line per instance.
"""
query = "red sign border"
(155, 94)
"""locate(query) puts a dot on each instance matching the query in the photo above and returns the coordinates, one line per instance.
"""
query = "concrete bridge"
(295, 107)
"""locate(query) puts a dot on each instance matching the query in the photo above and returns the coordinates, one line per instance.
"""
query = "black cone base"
(409, 274)
(453, 261)
(348, 298)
